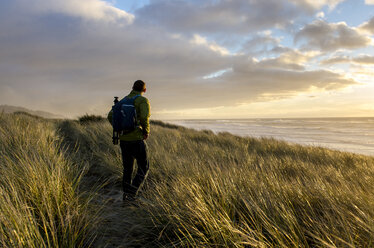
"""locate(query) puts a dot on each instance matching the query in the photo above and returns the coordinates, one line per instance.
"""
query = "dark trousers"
(132, 150)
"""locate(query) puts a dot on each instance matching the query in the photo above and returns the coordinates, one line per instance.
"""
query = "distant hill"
(44, 114)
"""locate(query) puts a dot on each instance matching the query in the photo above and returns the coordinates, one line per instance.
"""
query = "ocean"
(344, 134)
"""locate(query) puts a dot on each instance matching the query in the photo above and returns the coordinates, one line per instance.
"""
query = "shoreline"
(309, 132)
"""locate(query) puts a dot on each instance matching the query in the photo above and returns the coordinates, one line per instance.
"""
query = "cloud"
(227, 16)
(260, 43)
(320, 15)
(57, 61)
(288, 60)
(369, 2)
(86, 9)
(331, 36)
(276, 63)
(65, 58)
(314, 5)
(363, 59)
(222, 16)
(368, 26)
(254, 81)
(201, 41)
(336, 60)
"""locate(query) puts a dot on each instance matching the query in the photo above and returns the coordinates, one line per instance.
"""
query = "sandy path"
(116, 222)
(118, 225)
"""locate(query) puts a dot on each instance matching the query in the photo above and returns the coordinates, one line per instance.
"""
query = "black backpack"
(124, 117)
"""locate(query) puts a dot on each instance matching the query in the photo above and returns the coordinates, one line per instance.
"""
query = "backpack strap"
(132, 98)
(136, 96)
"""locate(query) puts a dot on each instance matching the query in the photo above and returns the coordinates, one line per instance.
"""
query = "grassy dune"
(39, 202)
(203, 190)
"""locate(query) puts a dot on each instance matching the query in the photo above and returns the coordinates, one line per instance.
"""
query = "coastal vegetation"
(203, 190)
(40, 204)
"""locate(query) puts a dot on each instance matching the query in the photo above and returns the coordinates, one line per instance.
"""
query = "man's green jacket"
(143, 112)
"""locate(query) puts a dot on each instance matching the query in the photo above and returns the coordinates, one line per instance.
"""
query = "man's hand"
(145, 136)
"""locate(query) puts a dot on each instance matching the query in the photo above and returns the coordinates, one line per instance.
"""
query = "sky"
(200, 58)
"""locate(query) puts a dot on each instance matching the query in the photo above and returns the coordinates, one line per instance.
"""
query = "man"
(133, 145)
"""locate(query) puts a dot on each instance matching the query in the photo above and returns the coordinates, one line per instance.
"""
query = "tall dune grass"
(203, 190)
(94, 141)
(207, 190)
(221, 190)
(39, 201)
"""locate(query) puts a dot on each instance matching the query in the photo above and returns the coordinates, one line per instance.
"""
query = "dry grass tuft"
(39, 203)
